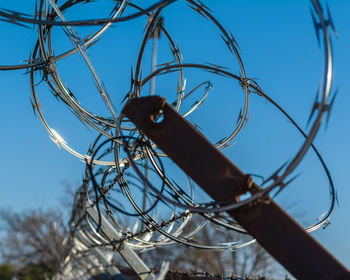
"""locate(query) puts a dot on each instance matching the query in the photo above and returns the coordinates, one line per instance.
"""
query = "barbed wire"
(124, 169)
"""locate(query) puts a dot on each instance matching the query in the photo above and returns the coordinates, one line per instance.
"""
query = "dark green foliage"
(5, 272)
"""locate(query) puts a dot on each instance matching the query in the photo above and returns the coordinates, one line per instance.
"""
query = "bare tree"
(250, 261)
(33, 242)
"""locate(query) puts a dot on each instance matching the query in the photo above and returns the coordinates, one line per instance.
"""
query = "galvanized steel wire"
(122, 164)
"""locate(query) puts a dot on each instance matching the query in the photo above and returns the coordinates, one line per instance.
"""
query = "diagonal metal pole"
(98, 254)
(129, 255)
(269, 224)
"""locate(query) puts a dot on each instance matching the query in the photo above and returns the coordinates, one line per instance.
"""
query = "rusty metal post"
(273, 228)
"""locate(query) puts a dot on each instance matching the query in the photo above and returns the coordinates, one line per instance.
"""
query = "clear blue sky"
(279, 48)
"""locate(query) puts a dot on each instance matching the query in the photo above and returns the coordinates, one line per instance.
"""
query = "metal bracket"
(273, 228)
